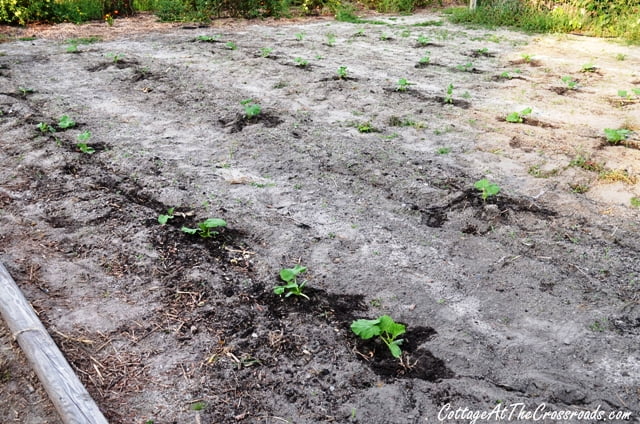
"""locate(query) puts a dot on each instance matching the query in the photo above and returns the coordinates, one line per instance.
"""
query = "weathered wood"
(69, 396)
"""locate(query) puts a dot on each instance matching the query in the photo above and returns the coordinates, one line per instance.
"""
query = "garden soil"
(530, 297)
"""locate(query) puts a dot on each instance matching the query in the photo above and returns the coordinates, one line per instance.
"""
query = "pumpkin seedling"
(300, 36)
(204, 229)
(208, 38)
(423, 41)
(231, 45)
(518, 117)
(589, 67)
(426, 59)
(366, 127)
(115, 57)
(163, 219)
(331, 39)
(571, 83)
(487, 188)
(448, 98)
(291, 286)
(403, 84)
(45, 128)
(82, 145)
(300, 62)
(342, 72)
(467, 67)
(251, 109)
(384, 327)
(615, 136)
(265, 51)
(65, 122)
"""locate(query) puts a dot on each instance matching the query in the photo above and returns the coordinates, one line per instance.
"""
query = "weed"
(72, 48)
(579, 188)
(385, 37)
(405, 33)
(448, 98)
(231, 45)
(204, 228)
(265, 51)
(482, 52)
(487, 188)
(428, 23)
(518, 117)
(27, 38)
(621, 56)
(506, 75)
(423, 41)
(163, 219)
(537, 172)
(342, 72)
(403, 84)
(300, 36)
(635, 202)
(84, 40)
(615, 136)
(292, 287)
(251, 109)
(115, 57)
(615, 175)
(587, 164)
(65, 122)
(466, 95)
(443, 150)
(588, 67)
(384, 327)
(300, 62)
(360, 33)
(598, 325)
(198, 406)
(570, 82)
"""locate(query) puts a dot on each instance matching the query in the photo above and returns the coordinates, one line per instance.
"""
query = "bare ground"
(529, 296)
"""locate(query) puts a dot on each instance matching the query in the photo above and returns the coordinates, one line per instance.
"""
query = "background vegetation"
(615, 18)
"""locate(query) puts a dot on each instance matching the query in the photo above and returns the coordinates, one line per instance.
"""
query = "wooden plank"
(69, 396)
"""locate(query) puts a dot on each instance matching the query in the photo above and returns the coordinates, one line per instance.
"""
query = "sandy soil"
(529, 296)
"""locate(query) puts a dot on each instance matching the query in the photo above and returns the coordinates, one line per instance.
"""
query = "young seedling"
(265, 51)
(467, 67)
(589, 67)
(82, 145)
(384, 327)
(423, 41)
(163, 219)
(300, 36)
(115, 57)
(486, 188)
(635, 202)
(527, 57)
(342, 72)
(251, 109)
(518, 117)
(204, 229)
(385, 37)
(426, 59)
(291, 286)
(300, 62)
(331, 40)
(615, 136)
(506, 75)
(366, 127)
(231, 45)
(403, 84)
(45, 128)
(448, 98)
(24, 91)
(72, 48)
(208, 38)
(65, 122)
(360, 33)
(571, 83)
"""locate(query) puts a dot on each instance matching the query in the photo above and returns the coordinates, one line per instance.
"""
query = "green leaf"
(162, 219)
(514, 117)
(395, 348)
(66, 122)
(214, 223)
(189, 230)
(482, 184)
(388, 325)
(366, 328)
(526, 111)
(492, 190)
(278, 290)
(84, 136)
(289, 274)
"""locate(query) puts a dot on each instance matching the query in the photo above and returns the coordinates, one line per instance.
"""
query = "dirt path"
(529, 296)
